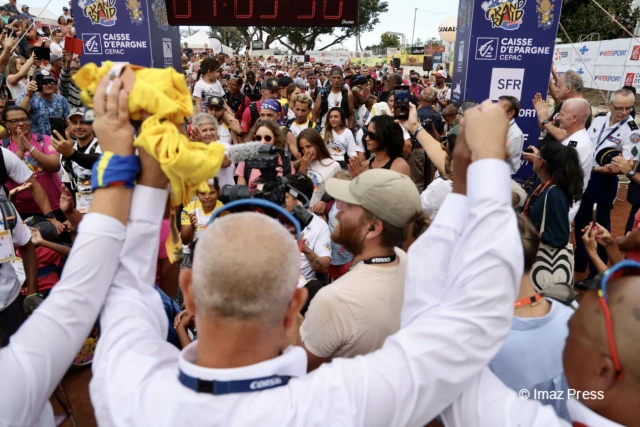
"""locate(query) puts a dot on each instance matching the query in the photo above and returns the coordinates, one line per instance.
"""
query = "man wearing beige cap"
(355, 314)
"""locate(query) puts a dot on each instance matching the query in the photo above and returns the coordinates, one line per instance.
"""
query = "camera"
(269, 186)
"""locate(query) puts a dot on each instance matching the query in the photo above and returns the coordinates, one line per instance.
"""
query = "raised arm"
(43, 348)
(426, 365)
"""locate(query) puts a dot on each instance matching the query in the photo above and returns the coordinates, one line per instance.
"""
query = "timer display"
(290, 13)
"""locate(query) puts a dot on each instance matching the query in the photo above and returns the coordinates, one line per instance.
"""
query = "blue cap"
(272, 105)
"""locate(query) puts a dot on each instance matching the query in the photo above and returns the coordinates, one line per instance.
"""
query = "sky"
(399, 19)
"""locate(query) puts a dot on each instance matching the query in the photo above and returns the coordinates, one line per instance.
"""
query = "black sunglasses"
(259, 138)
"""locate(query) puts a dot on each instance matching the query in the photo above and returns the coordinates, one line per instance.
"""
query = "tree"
(300, 39)
(388, 40)
(582, 18)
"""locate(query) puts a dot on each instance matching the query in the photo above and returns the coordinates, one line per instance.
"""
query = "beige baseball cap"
(389, 195)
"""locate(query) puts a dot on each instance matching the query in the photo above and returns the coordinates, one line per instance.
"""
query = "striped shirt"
(68, 89)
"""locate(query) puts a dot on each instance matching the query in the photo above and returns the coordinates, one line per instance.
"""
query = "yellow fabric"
(164, 95)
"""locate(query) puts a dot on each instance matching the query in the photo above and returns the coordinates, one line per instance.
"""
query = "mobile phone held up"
(401, 97)
(57, 124)
(40, 82)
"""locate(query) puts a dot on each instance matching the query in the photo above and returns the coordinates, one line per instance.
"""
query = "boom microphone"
(240, 152)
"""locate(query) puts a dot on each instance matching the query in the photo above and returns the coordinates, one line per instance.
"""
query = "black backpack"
(324, 105)
(289, 122)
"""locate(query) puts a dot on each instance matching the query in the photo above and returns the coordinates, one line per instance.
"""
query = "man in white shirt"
(40, 352)
(355, 314)
(572, 119)
(56, 43)
(468, 260)
(316, 250)
(601, 392)
(511, 105)
(613, 134)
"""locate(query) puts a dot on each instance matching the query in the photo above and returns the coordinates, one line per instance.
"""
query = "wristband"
(415, 134)
(112, 170)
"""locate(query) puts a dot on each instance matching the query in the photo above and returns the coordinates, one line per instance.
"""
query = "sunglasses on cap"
(600, 283)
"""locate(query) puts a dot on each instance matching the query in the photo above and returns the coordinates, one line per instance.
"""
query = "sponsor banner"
(369, 61)
(132, 31)
(586, 72)
(613, 52)
(562, 68)
(562, 54)
(632, 76)
(607, 77)
(394, 51)
(634, 54)
(510, 44)
(585, 53)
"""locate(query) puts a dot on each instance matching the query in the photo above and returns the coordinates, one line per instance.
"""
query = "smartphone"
(528, 150)
(40, 82)
(402, 95)
(595, 214)
(57, 124)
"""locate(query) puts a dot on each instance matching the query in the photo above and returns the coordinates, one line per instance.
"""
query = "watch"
(631, 173)
(546, 121)
(415, 134)
(50, 215)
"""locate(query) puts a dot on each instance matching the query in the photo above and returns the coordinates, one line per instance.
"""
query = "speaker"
(307, 58)
(396, 62)
(427, 65)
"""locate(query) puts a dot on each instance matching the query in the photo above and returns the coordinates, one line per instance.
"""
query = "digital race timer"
(290, 13)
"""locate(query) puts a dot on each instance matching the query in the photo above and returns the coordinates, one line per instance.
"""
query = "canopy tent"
(47, 17)
(199, 39)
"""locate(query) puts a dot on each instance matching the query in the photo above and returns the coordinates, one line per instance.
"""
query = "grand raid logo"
(100, 12)
(504, 14)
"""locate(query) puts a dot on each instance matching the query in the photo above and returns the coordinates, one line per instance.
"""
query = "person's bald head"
(428, 96)
(245, 268)
(574, 114)
(587, 359)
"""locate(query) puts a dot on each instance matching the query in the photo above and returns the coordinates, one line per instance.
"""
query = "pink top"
(634, 255)
(50, 182)
(255, 173)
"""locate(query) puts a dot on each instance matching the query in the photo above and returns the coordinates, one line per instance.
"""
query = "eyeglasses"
(623, 268)
(267, 138)
(16, 121)
(49, 82)
(622, 108)
(370, 135)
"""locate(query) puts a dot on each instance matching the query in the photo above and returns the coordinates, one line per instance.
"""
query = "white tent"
(46, 16)
(199, 39)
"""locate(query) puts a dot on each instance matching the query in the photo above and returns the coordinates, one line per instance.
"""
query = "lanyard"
(600, 142)
(377, 260)
(535, 193)
(527, 301)
(230, 387)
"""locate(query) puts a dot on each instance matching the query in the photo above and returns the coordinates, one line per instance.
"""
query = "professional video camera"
(269, 186)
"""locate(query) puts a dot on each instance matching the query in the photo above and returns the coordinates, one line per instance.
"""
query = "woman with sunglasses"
(316, 162)
(269, 133)
(559, 185)
(384, 140)
(536, 320)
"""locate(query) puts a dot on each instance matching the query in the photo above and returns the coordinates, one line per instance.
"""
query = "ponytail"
(563, 165)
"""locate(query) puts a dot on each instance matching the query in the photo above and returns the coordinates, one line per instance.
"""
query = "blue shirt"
(339, 255)
(40, 110)
(531, 358)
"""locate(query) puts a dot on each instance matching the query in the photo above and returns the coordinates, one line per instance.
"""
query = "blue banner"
(132, 31)
(506, 48)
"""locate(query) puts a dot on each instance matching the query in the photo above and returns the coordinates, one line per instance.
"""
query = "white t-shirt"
(17, 90)
(320, 172)
(9, 283)
(224, 134)
(516, 139)
(341, 144)
(295, 128)
(582, 143)
(55, 48)
(318, 239)
(225, 175)
(17, 170)
(334, 100)
(204, 91)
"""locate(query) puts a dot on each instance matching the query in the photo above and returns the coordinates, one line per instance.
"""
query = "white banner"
(585, 53)
(609, 77)
(613, 52)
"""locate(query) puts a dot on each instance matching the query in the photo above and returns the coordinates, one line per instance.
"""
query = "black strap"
(380, 260)
(231, 387)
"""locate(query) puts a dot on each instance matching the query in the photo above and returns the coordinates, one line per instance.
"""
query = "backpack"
(8, 212)
(255, 114)
(253, 94)
(289, 122)
(324, 105)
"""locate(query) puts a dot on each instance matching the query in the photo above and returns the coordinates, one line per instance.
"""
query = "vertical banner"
(131, 31)
(506, 48)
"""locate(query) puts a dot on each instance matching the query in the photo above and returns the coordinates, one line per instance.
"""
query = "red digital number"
(243, 16)
(275, 11)
(324, 11)
(215, 7)
(175, 10)
(313, 12)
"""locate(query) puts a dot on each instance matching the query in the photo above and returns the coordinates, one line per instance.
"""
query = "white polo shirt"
(9, 283)
(582, 143)
(624, 136)
(318, 239)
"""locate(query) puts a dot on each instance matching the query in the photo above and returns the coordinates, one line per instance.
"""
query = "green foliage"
(388, 40)
(582, 18)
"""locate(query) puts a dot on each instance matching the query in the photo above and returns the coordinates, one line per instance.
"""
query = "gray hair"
(428, 95)
(622, 92)
(573, 79)
(246, 268)
(202, 119)
(397, 78)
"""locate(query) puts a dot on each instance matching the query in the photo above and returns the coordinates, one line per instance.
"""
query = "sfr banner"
(506, 48)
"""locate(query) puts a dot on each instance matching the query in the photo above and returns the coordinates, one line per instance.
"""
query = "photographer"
(41, 105)
(316, 250)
